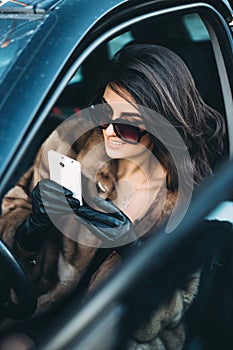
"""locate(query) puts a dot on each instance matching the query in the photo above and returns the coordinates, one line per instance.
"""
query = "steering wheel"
(15, 277)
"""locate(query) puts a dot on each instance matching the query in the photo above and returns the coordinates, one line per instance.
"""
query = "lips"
(114, 143)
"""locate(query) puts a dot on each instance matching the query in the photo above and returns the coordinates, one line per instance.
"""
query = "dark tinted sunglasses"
(102, 113)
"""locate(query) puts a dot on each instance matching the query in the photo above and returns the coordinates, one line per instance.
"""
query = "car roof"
(42, 6)
(27, 6)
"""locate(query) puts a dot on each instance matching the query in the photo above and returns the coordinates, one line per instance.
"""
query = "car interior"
(185, 33)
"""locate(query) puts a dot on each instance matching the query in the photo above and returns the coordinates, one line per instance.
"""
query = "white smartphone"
(66, 172)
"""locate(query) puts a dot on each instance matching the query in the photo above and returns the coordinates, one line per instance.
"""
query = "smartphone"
(66, 172)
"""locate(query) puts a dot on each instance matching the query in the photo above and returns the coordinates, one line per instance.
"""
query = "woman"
(149, 107)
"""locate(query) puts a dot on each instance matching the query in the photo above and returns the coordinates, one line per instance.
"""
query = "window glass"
(117, 43)
(78, 77)
(223, 212)
(185, 34)
(195, 27)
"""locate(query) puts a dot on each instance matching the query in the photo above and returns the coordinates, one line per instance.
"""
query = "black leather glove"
(112, 226)
(49, 199)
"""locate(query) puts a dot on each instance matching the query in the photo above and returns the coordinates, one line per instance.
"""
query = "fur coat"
(64, 258)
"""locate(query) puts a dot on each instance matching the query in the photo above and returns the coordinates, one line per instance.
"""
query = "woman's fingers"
(109, 207)
(112, 218)
(53, 197)
(95, 217)
(49, 186)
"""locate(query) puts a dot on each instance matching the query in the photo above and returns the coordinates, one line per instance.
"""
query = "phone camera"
(62, 164)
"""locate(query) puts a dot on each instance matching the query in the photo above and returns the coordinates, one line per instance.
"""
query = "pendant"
(125, 202)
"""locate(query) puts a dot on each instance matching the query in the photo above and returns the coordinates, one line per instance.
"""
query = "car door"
(56, 74)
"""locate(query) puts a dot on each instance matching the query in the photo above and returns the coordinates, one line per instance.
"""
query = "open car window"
(189, 35)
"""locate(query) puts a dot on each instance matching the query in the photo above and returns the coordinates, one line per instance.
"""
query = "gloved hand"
(112, 227)
(49, 199)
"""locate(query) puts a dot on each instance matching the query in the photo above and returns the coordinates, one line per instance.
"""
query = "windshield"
(15, 33)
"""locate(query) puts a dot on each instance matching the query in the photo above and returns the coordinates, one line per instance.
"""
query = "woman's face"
(115, 147)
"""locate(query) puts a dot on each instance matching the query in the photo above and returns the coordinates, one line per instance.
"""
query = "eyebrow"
(127, 114)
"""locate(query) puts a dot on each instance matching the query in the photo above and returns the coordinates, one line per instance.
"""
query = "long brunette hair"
(158, 79)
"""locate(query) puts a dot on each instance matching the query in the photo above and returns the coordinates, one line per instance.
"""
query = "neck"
(127, 168)
(148, 167)
(138, 184)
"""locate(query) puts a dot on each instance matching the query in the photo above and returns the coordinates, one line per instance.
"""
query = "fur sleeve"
(164, 330)
(16, 205)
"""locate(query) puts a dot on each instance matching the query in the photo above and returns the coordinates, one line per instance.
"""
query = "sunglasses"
(101, 114)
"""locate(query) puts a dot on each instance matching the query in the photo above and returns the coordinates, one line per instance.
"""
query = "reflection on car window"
(195, 27)
(223, 212)
(14, 34)
(185, 34)
(77, 78)
(117, 43)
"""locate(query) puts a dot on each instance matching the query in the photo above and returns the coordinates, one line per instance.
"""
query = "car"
(53, 54)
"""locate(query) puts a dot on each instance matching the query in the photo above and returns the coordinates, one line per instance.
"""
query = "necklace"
(124, 189)
(127, 200)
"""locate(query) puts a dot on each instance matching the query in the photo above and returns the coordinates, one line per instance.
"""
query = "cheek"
(147, 142)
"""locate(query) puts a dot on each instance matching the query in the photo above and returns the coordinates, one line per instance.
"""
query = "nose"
(109, 131)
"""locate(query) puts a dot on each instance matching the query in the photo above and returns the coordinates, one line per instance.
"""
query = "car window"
(185, 34)
(195, 27)
(118, 42)
(223, 212)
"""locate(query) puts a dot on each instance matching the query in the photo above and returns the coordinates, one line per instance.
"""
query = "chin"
(114, 154)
